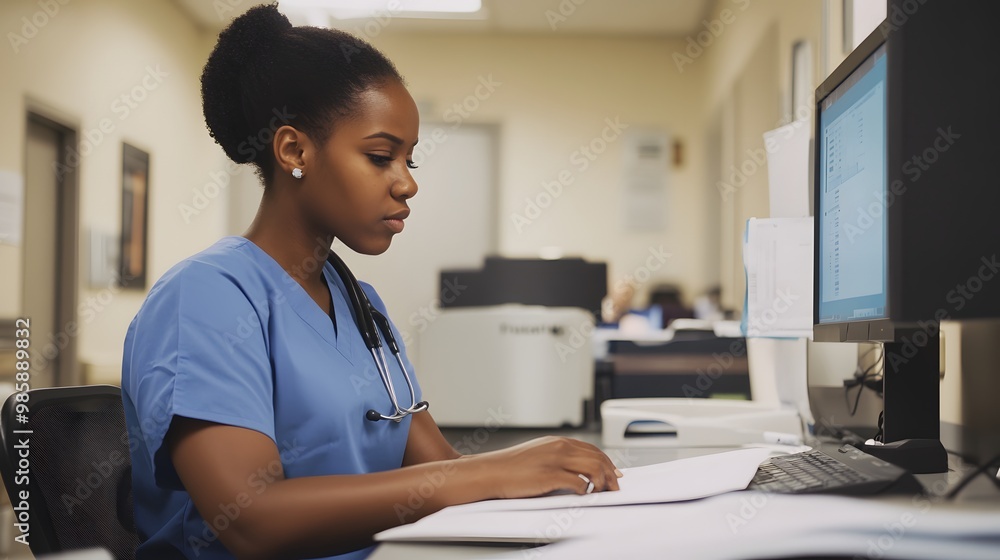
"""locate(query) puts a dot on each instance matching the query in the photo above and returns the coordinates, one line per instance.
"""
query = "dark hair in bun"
(264, 73)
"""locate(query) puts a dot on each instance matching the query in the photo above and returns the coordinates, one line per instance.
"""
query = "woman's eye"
(410, 164)
(378, 160)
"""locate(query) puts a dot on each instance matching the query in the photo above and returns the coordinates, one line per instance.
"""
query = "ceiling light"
(354, 9)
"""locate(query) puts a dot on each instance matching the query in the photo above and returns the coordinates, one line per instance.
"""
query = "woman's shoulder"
(227, 262)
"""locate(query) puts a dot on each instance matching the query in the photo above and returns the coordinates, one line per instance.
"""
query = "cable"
(863, 378)
(971, 476)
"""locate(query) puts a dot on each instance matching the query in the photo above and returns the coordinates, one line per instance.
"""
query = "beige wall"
(748, 69)
(554, 95)
(76, 67)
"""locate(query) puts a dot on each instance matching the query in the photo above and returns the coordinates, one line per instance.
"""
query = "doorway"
(49, 250)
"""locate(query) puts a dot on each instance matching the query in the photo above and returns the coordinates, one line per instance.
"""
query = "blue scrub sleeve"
(199, 352)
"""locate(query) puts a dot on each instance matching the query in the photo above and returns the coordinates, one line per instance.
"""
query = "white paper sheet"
(788, 169)
(778, 256)
(755, 525)
(672, 481)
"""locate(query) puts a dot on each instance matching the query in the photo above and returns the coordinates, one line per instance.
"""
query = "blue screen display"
(851, 205)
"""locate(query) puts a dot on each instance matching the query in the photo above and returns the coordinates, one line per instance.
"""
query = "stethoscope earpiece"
(374, 327)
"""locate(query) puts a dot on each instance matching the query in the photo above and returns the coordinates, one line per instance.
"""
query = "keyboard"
(833, 469)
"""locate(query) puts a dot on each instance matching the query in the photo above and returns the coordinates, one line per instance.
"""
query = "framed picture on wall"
(135, 205)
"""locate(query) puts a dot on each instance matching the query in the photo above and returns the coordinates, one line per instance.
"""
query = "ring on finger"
(590, 485)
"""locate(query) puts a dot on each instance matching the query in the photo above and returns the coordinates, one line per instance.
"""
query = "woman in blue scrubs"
(245, 380)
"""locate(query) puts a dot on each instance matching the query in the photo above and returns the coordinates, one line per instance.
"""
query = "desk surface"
(936, 484)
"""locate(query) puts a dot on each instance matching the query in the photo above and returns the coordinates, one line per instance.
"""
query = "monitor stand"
(911, 389)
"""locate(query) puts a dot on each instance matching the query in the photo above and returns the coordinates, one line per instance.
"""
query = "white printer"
(508, 365)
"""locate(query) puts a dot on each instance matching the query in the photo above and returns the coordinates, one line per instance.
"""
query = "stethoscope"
(370, 322)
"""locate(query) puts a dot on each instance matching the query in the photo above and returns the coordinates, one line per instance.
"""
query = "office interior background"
(529, 115)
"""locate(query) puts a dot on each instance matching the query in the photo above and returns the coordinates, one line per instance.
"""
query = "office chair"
(79, 469)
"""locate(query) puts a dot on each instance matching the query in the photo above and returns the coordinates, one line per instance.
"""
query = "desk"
(937, 484)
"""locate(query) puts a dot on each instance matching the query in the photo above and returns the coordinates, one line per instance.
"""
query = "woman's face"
(358, 186)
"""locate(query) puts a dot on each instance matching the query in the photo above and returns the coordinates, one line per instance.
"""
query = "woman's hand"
(545, 465)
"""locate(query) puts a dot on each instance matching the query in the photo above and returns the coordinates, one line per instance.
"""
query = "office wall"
(747, 60)
(550, 95)
(75, 63)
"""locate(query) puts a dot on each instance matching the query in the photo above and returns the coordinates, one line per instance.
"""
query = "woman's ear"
(290, 150)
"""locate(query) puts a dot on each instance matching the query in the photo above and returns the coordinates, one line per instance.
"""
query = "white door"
(452, 225)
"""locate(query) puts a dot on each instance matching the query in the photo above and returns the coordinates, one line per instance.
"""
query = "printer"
(509, 365)
(512, 344)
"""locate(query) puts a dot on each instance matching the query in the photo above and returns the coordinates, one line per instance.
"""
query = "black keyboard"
(842, 469)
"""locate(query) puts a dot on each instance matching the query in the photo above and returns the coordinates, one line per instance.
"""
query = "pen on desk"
(782, 438)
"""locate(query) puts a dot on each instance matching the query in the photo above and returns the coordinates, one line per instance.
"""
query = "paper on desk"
(672, 481)
(754, 525)
(778, 257)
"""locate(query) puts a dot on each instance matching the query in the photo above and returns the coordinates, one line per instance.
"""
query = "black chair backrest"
(73, 443)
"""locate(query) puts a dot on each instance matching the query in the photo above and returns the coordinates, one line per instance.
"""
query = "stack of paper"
(524, 519)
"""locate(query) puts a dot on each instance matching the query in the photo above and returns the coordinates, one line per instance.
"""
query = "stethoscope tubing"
(374, 328)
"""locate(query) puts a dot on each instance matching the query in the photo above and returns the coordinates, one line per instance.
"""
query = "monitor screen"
(852, 234)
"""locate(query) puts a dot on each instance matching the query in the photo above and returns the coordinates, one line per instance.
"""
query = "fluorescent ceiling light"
(352, 9)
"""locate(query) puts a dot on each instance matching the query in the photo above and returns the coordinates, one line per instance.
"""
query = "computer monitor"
(851, 181)
(855, 295)
(906, 201)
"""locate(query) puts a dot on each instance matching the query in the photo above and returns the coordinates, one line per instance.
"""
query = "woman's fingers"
(588, 463)
(595, 465)
(554, 463)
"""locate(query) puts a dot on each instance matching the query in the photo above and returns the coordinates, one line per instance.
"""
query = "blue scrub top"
(228, 336)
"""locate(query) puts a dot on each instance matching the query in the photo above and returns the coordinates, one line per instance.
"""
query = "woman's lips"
(394, 224)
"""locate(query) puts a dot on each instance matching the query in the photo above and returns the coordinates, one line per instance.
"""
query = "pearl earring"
(297, 173)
